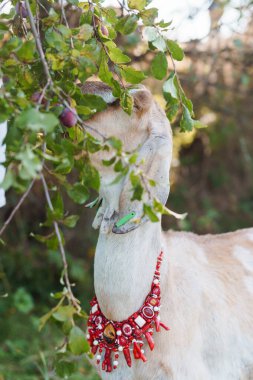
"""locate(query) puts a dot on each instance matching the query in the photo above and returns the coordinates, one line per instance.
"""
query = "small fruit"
(68, 117)
(104, 30)
(36, 97)
(21, 9)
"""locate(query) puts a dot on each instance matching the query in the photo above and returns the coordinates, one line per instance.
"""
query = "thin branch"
(72, 298)
(38, 43)
(17, 207)
(66, 22)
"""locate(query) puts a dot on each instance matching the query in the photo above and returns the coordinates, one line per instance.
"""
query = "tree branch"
(38, 43)
(72, 298)
(17, 207)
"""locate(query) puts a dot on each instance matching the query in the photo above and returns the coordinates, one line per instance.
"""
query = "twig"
(66, 22)
(17, 207)
(38, 43)
(72, 298)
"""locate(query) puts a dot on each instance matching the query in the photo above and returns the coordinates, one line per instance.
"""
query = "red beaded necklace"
(115, 337)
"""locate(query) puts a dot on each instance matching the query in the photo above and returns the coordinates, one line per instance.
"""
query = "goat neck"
(124, 268)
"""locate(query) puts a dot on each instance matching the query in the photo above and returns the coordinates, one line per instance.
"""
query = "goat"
(206, 281)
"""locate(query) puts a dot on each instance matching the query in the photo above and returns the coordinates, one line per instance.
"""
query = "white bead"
(156, 281)
(100, 327)
(119, 333)
(88, 336)
(94, 308)
(95, 343)
(120, 348)
(142, 351)
(115, 363)
(98, 357)
(156, 308)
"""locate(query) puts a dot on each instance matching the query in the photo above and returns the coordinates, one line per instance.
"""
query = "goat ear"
(142, 98)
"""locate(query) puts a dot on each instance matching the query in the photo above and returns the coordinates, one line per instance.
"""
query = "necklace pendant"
(115, 337)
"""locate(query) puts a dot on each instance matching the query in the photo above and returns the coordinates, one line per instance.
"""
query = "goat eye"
(136, 107)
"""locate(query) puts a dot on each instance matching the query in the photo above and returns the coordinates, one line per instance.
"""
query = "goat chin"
(206, 281)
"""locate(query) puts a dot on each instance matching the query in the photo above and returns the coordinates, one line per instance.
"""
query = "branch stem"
(72, 298)
(9, 219)
(38, 43)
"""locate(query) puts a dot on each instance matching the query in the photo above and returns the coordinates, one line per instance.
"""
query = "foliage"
(39, 144)
(43, 62)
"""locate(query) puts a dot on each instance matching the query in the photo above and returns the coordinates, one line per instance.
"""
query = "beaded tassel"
(109, 336)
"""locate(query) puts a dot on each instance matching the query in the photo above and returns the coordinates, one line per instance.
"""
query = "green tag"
(125, 219)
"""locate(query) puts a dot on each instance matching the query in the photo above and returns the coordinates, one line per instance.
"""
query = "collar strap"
(108, 337)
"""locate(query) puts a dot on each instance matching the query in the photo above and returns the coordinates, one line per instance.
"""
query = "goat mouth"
(128, 227)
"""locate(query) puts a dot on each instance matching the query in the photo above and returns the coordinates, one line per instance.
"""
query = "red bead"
(138, 325)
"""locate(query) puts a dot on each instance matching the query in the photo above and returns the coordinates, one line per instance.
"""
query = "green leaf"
(127, 24)
(58, 205)
(119, 167)
(131, 75)
(44, 319)
(186, 123)
(55, 39)
(64, 313)
(160, 43)
(170, 86)
(85, 32)
(175, 50)
(115, 143)
(8, 181)
(151, 33)
(65, 368)
(64, 30)
(93, 102)
(104, 73)
(109, 162)
(197, 124)
(137, 4)
(70, 221)
(116, 55)
(172, 107)
(48, 315)
(36, 121)
(187, 102)
(23, 301)
(27, 51)
(159, 66)
(77, 343)
(126, 102)
(137, 187)
(90, 177)
(30, 164)
(150, 213)
(79, 193)
(149, 15)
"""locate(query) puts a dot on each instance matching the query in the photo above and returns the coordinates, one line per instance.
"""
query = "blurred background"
(211, 179)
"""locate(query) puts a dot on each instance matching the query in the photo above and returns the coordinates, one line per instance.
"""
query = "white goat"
(206, 281)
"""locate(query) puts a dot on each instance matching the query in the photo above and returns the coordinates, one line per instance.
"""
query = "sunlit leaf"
(159, 66)
(175, 50)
